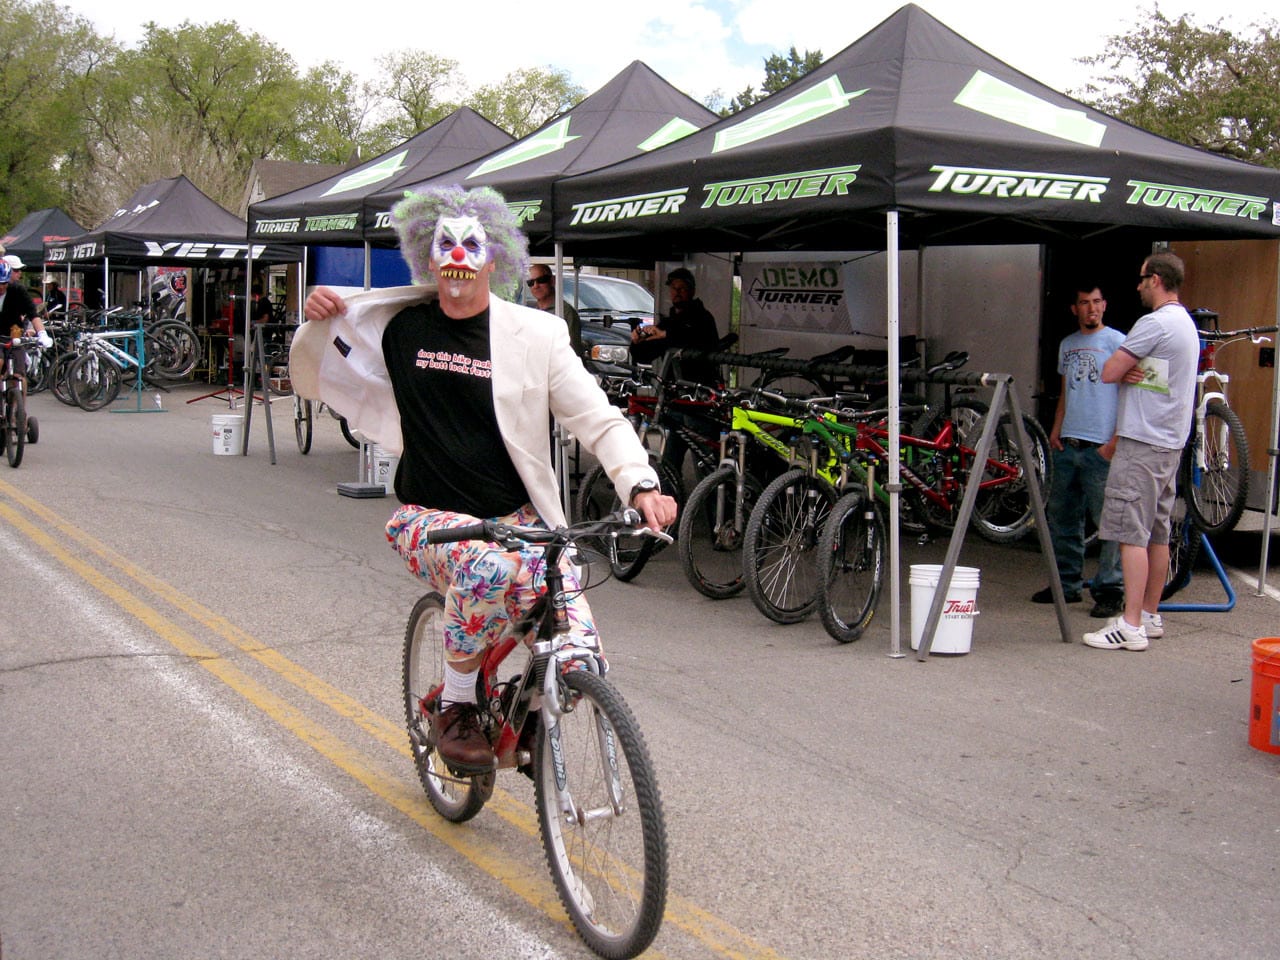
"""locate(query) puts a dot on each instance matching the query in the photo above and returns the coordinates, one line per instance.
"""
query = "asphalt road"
(202, 751)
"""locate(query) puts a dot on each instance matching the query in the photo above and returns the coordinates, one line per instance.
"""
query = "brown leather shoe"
(460, 740)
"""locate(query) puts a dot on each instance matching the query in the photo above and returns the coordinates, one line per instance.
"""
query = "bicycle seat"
(838, 355)
(952, 361)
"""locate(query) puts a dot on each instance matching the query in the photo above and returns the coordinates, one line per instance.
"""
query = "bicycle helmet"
(6, 272)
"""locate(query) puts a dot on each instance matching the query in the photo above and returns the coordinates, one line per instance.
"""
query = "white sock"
(459, 687)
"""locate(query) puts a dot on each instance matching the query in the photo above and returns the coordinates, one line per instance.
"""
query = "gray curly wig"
(415, 217)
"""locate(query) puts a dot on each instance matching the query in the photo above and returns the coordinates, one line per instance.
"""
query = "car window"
(619, 296)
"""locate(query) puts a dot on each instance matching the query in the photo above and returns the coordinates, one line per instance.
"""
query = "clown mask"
(459, 250)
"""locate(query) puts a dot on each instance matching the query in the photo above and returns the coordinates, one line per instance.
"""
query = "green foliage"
(526, 99)
(45, 55)
(1202, 85)
(778, 72)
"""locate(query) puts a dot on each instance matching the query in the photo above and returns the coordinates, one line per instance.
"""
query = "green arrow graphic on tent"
(382, 170)
(995, 98)
(555, 137)
(674, 129)
(818, 101)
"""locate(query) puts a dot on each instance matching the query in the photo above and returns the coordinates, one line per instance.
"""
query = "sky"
(700, 46)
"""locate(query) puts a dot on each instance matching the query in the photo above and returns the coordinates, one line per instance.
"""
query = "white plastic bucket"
(382, 468)
(955, 624)
(226, 433)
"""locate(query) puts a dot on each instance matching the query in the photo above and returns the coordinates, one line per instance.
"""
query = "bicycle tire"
(347, 434)
(33, 430)
(1184, 550)
(303, 424)
(626, 554)
(713, 527)
(59, 386)
(1005, 514)
(780, 552)
(456, 798)
(15, 424)
(608, 856)
(1216, 498)
(180, 348)
(94, 381)
(852, 551)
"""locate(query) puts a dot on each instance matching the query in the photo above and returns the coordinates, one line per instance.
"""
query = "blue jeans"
(1079, 484)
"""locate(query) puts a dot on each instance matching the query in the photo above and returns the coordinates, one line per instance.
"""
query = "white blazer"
(535, 376)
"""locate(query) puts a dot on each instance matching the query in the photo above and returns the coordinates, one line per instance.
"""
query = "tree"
(526, 99)
(417, 89)
(778, 72)
(205, 101)
(46, 52)
(1205, 86)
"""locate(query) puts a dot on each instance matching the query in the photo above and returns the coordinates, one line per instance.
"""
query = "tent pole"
(1268, 498)
(559, 438)
(368, 266)
(894, 485)
(106, 283)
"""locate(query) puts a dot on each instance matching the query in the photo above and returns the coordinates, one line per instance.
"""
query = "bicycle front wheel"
(852, 556)
(303, 418)
(1216, 493)
(455, 798)
(15, 423)
(94, 381)
(713, 527)
(627, 553)
(780, 553)
(600, 813)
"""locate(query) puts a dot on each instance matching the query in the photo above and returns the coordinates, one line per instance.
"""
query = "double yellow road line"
(91, 561)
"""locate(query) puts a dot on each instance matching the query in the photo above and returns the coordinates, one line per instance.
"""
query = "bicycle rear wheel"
(1184, 550)
(713, 526)
(852, 554)
(627, 553)
(600, 812)
(1216, 495)
(780, 552)
(455, 798)
(1003, 513)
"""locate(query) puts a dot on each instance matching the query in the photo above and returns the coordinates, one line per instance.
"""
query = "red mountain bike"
(556, 719)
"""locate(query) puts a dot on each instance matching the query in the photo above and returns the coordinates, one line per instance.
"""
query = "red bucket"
(1264, 700)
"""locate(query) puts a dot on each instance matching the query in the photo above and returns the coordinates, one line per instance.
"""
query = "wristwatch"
(644, 486)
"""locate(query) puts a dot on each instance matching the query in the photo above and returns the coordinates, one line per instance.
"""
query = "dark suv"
(607, 306)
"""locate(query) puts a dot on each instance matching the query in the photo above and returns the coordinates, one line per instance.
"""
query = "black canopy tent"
(332, 210)
(165, 223)
(28, 239)
(635, 112)
(911, 136)
(912, 118)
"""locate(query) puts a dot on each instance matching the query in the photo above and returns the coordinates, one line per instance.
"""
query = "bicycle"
(784, 530)
(19, 428)
(304, 414)
(560, 722)
(1214, 471)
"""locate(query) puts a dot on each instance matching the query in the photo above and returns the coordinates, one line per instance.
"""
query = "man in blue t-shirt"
(1156, 369)
(1085, 419)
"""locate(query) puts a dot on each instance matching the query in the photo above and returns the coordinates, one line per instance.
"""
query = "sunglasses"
(1145, 276)
(535, 281)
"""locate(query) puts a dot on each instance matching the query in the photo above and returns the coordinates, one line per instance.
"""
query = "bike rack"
(1221, 572)
(137, 384)
(1001, 383)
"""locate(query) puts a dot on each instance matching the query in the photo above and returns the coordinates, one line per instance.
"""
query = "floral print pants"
(484, 587)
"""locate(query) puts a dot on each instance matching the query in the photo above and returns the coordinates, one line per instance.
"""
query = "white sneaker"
(1153, 623)
(1118, 635)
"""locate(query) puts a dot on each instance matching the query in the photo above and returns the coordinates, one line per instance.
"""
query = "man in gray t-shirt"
(1156, 370)
(1084, 420)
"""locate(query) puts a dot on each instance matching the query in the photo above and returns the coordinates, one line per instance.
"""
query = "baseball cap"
(14, 261)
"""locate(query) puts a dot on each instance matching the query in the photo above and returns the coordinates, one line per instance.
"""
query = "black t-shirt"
(454, 457)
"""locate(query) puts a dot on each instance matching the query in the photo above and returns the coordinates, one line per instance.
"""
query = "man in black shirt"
(464, 384)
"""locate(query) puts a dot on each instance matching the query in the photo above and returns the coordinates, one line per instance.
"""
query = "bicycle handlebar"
(511, 537)
(1230, 334)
